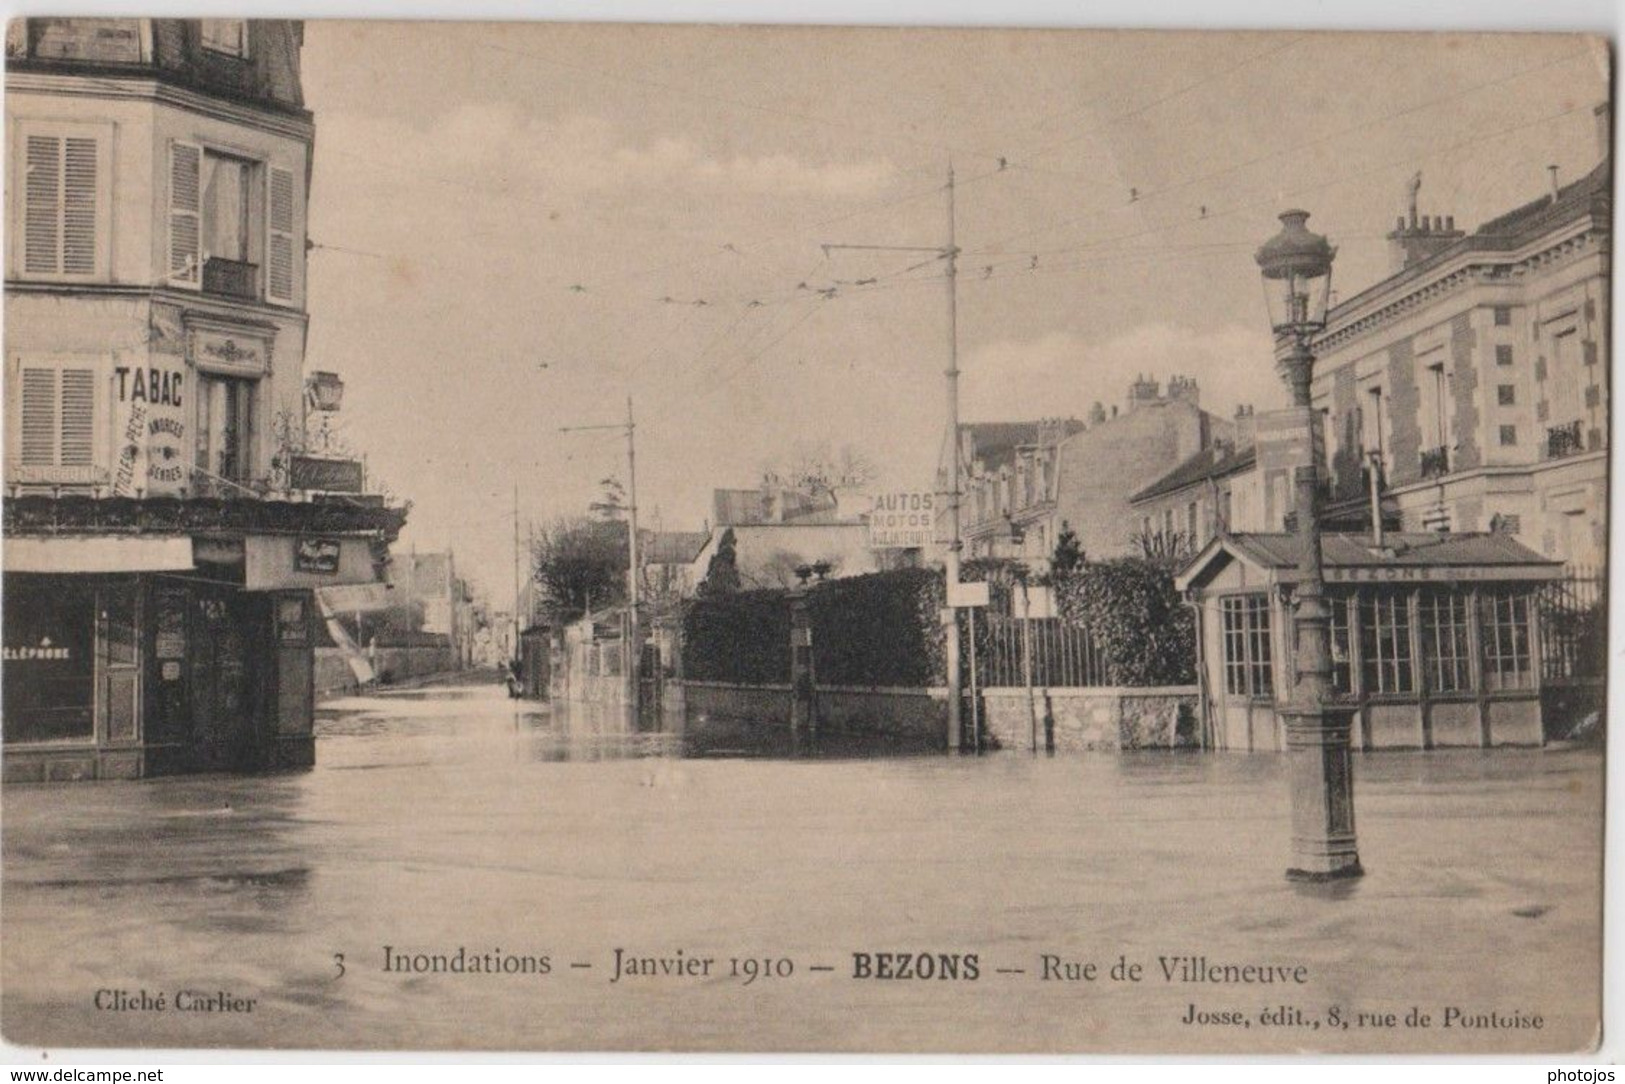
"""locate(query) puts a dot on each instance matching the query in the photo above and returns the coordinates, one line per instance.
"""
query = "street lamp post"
(1297, 269)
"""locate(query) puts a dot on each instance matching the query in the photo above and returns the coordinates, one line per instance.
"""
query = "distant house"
(668, 562)
(1023, 480)
(776, 529)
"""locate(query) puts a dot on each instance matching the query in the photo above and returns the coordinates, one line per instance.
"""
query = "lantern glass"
(326, 391)
(1297, 269)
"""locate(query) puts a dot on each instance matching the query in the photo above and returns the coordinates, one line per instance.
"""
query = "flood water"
(451, 817)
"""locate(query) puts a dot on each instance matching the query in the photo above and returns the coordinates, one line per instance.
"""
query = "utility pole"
(516, 630)
(952, 563)
(949, 253)
(633, 661)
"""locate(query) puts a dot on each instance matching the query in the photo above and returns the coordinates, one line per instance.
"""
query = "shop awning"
(103, 553)
(357, 598)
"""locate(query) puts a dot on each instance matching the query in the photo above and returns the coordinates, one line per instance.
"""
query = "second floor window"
(231, 225)
(228, 36)
(60, 202)
(225, 207)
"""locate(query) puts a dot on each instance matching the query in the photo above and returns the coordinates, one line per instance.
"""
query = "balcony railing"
(1435, 462)
(1564, 440)
(231, 278)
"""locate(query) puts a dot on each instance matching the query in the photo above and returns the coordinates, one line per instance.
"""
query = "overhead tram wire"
(1023, 161)
(1232, 168)
(1298, 148)
(1478, 138)
(732, 246)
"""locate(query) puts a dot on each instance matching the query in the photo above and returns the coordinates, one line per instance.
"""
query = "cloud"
(1062, 374)
(486, 141)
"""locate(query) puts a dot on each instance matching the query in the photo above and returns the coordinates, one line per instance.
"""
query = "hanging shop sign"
(317, 555)
(169, 624)
(271, 562)
(325, 475)
(149, 418)
(292, 621)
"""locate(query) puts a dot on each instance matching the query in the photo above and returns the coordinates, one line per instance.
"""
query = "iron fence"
(1062, 654)
(1574, 625)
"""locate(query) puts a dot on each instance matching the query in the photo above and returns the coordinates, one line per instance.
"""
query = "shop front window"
(1446, 646)
(49, 690)
(1342, 658)
(1504, 616)
(1247, 645)
(1385, 645)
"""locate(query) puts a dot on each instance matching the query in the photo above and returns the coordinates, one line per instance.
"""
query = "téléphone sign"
(902, 520)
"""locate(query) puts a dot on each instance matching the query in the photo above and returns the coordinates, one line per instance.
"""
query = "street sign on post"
(964, 595)
(903, 520)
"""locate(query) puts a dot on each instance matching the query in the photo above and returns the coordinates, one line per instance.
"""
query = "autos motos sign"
(902, 520)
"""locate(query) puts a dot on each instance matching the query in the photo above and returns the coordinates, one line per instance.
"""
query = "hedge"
(879, 629)
(1146, 635)
(742, 638)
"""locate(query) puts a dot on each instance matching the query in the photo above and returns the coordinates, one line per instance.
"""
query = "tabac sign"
(149, 404)
(902, 520)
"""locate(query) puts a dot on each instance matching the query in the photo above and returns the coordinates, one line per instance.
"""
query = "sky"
(518, 226)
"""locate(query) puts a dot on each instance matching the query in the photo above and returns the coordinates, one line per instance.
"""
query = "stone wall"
(914, 713)
(1094, 719)
(921, 713)
(392, 664)
(724, 700)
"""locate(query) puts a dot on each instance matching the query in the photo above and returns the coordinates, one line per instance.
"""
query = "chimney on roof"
(1097, 413)
(1604, 117)
(1143, 390)
(1419, 236)
(1246, 428)
(1185, 389)
(1553, 171)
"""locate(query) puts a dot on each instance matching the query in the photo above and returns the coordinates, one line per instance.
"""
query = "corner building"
(159, 566)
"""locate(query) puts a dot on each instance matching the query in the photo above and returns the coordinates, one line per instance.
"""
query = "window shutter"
(42, 201)
(58, 416)
(185, 215)
(279, 244)
(79, 206)
(38, 417)
(78, 438)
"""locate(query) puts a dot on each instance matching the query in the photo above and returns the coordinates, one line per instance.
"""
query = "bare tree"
(822, 471)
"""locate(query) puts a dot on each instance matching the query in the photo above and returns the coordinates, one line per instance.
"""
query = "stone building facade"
(1474, 379)
(159, 563)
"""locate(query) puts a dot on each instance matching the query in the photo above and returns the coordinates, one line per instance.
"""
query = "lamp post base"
(1321, 770)
(1316, 876)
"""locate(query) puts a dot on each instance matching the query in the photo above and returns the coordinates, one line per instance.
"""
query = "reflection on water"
(574, 730)
(450, 817)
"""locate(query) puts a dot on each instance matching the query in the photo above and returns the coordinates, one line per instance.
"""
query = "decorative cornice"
(1480, 267)
(149, 85)
(205, 305)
